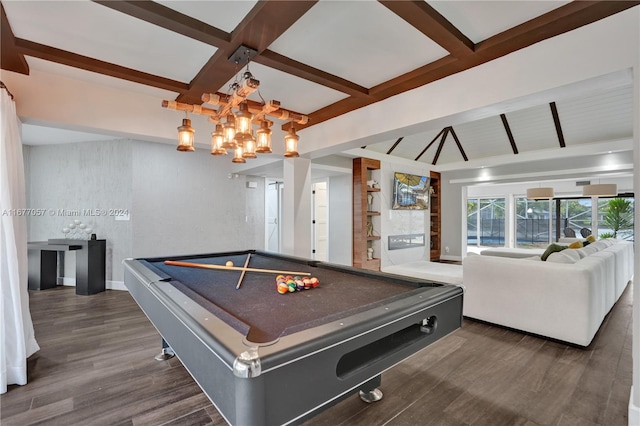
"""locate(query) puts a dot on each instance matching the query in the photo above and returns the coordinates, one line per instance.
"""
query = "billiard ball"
(229, 264)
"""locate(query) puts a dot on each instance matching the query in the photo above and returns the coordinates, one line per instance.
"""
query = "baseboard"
(109, 285)
(116, 285)
(71, 282)
(634, 411)
(451, 258)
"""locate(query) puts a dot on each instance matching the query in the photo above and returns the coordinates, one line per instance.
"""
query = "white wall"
(185, 203)
(340, 222)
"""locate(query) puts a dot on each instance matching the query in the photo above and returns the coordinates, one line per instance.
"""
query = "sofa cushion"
(564, 256)
(607, 241)
(586, 251)
(551, 249)
(600, 245)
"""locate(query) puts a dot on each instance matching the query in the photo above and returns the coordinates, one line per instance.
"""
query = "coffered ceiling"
(323, 59)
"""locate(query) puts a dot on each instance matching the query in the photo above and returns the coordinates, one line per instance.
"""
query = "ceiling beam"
(394, 145)
(455, 138)
(10, 58)
(558, 21)
(64, 57)
(429, 22)
(169, 19)
(280, 62)
(429, 144)
(267, 21)
(507, 129)
(444, 136)
(556, 121)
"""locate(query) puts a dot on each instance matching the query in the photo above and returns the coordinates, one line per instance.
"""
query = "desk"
(90, 264)
(265, 358)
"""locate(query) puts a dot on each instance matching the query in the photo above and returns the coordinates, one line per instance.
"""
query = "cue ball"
(229, 264)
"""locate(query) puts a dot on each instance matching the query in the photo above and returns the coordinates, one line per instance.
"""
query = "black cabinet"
(90, 264)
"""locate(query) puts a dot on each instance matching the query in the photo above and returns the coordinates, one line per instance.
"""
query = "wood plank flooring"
(96, 367)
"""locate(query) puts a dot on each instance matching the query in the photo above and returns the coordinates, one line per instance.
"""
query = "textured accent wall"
(76, 182)
(178, 203)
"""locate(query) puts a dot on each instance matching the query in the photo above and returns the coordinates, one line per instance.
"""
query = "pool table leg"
(167, 352)
(369, 392)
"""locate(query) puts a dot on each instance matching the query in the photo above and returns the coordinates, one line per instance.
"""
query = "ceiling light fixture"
(540, 193)
(600, 190)
(240, 115)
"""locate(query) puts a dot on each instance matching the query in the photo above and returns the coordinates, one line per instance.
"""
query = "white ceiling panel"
(599, 117)
(483, 138)
(479, 20)
(412, 145)
(92, 30)
(294, 93)
(533, 128)
(338, 37)
(224, 15)
(449, 153)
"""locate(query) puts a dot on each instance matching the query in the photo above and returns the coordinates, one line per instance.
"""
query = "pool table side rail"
(169, 303)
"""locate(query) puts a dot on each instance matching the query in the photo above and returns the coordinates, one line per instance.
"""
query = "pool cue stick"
(246, 263)
(231, 268)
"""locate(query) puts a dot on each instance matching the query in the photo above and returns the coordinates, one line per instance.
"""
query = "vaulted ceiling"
(324, 59)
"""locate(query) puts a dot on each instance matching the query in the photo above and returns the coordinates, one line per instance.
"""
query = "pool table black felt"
(257, 310)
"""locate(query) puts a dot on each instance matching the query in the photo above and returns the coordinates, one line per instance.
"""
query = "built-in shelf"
(364, 213)
(436, 227)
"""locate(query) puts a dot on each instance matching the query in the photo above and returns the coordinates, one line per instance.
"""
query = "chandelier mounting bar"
(242, 55)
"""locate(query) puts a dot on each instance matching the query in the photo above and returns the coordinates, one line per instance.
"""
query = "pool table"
(265, 358)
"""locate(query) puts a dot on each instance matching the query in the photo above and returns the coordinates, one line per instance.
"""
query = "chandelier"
(237, 116)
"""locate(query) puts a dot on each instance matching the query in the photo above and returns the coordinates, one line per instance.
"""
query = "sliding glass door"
(485, 222)
(533, 223)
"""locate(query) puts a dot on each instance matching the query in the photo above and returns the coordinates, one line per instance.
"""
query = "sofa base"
(634, 411)
(527, 333)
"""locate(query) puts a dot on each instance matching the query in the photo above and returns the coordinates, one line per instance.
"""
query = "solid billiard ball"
(229, 264)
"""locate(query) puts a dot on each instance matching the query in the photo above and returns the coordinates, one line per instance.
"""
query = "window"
(533, 223)
(615, 218)
(485, 222)
(575, 214)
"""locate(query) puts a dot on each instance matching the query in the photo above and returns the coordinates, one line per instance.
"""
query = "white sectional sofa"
(565, 297)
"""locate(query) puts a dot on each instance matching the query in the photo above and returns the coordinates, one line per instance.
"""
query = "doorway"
(320, 224)
(273, 214)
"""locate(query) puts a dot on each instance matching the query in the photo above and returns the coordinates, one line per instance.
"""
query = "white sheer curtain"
(17, 339)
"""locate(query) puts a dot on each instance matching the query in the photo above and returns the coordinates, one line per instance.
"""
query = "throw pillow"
(552, 249)
(576, 245)
(591, 238)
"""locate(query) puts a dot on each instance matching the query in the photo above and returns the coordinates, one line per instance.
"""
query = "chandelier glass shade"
(236, 117)
(186, 136)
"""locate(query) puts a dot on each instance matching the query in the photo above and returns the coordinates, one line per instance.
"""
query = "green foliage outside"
(618, 216)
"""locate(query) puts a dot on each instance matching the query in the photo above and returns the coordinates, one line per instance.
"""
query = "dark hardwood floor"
(96, 367)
